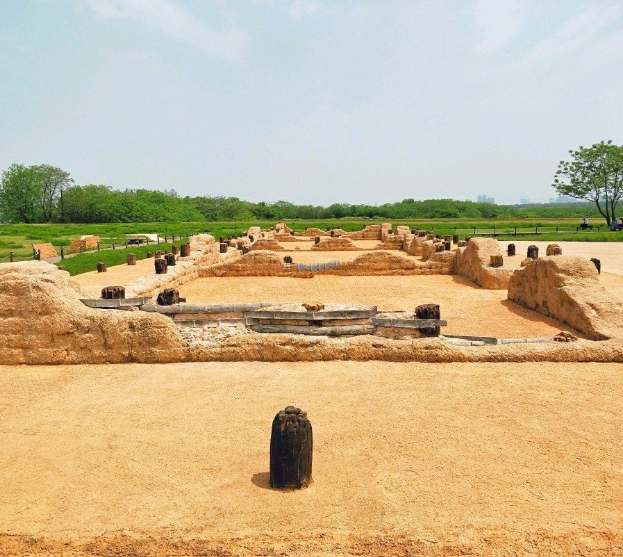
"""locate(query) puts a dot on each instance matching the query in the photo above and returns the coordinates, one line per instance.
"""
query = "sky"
(310, 101)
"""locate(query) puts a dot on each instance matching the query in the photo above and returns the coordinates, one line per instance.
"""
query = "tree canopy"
(594, 174)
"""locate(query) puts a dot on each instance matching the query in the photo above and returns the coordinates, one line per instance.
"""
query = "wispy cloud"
(574, 34)
(175, 21)
(499, 23)
(302, 8)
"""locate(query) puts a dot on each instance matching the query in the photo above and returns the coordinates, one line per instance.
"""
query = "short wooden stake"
(223, 247)
(101, 267)
(533, 252)
(168, 297)
(160, 266)
(496, 261)
(510, 250)
(184, 250)
(170, 259)
(291, 450)
(113, 293)
(429, 311)
(131, 259)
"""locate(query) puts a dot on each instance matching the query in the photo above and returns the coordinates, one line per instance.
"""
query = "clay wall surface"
(313, 232)
(43, 321)
(266, 244)
(335, 244)
(282, 228)
(567, 288)
(47, 250)
(472, 262)
(254, 231)
(84, 244)
(255, 264)
(370, 232)
(392, 241)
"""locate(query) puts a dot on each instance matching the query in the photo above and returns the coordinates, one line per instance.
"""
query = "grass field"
(18, 238)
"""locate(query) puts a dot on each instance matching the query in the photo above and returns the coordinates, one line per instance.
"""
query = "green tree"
(595, 174)
(19, 195)
(49, 182)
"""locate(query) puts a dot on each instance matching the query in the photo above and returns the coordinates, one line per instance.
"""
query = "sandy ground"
(609, 253)
(476, 457)
(91, 283)
(468, 309)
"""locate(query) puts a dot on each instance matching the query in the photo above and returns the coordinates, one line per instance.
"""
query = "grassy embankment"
(19, 238)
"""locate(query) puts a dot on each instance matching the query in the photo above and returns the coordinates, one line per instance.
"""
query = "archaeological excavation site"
(387, 391)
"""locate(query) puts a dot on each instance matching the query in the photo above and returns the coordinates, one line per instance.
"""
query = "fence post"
(62, 253)
(515, 231)
(556, 230)
(158, 238)
(39, 255)
(126, 243)
(536, 230)
(11, 256)
(113, 244)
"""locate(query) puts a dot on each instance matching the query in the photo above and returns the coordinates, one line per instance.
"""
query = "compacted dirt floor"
(469, 310)
(409, 459)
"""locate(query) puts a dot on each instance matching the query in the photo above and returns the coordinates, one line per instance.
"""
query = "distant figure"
(615, 224)
(584, 224)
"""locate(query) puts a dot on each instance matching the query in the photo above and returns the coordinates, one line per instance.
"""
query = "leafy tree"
(19, 199)
(50, 182)
(595, 174)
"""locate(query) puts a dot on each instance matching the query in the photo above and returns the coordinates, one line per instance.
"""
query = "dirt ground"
(468, 309)
(409, 459)
(91, 283)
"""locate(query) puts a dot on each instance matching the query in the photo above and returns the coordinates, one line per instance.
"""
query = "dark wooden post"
(223, 247)
(597, 264)
(221, 239)
(98, 246)
(455, 239)
(131, 259)
(149, 255)
(429, 311)
(291, 450)
(11, 256)
(159, 254)
(101, 267)
(168, 297)
(126, 243)
(170, 259)
(287, 259)
(185, 250)
(113, 292)
(447, 245)
(317, 240)
(175, 250)
(533, 252)
(113, 244)
(62, 253)
(160, 266)
(496, 261)
(510, 250)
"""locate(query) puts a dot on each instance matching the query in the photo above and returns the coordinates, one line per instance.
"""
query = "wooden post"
(113, 244)
(317, 240)
(168, 297)
(126, 243)
(597, 264)
(159, 254)
(62, 253)
(11, 256)
(131, 259)
(455, 239)
(160, 266)
(291, 450)
(510, 250)
(463, 244)
(496, 261)
(149, 255)
(113, 293)
(447, 245)
(98, 246)
(223, 247)
(174, 250)
(185, 250)
(287, 259)
(221, 239)
(428, 311)
(170, 259)
(533, 252)
(101, 267)
(553, 249)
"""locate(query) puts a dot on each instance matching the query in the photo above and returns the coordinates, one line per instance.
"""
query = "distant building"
(485, 199)
(563, 199)
(170, 192)
(525, 201)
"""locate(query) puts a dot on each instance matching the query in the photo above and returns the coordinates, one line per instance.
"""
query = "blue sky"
(311, 101)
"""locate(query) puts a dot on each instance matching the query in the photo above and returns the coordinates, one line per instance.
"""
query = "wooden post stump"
(101, 267)
(291, 450)
(245, 249)
(439, 247)
(447, 238)
(496, 261)
(168, 297)
(597, 264)
(185, 250)
(455, 239)
(221, 239)
(170, 259)
(131, 259)
(510, 250)
(287, 259)
(160, 266)
(317, 240)
(223, 247)
(463, 244)
(113, 293)
(447, 245)
(149, 255)
(421, 233)
(175, 250)
(332, 233)
(429, 311)
(553, 249)
(159, 254)
(533, 252)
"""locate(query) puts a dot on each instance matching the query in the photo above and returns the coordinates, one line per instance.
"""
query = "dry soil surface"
(409, 459)
(468, 309)
(91, 283)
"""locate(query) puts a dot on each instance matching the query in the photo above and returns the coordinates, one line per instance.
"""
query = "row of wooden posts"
(162, 261)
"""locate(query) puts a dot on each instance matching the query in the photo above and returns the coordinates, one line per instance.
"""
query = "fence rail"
(525, 231)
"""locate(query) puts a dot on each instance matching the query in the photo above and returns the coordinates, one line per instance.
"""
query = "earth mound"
(255, 264)
(472, 262)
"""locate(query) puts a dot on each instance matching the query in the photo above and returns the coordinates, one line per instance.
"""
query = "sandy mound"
(255, 264)
(282, 228)
(374, 263)
(370, 232)
(42, 321)
(472, 262)
(84, 244)
(266, 244)
(46, 250)
(335, 244)
(254, 231)
(313, 232)
(567, 288)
